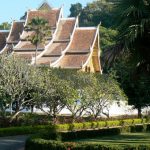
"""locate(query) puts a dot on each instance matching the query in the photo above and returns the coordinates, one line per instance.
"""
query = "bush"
(148, 128)
(102, 124)
(87, 125)
(63, 127)
(113, 123)
(41, 144)
(11, 131)
(137, 128)
(138, 121)
(89, 133)
(127, 122)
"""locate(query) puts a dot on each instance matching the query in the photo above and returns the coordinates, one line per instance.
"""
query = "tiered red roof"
(69, 46)
(3, 36)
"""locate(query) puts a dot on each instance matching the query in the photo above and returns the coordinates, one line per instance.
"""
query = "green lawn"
(123, 139)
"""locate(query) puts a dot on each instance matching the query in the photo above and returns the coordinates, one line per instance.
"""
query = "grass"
(123, 139)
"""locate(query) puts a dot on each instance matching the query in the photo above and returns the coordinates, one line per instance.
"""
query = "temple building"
(69, 46)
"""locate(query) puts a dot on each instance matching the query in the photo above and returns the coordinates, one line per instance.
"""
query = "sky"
(13, 9)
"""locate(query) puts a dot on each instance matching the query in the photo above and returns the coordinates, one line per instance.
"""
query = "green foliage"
(137, 128)
(40, 28)
(16, 84)
(82, 134)
(113, 123)
(40, 143)
(12, 131)
(96, 12)
(75, 9)
(49, 131)
(5, 26)
(99, 124)
(107, 38)
(134, 80)
(41, 31)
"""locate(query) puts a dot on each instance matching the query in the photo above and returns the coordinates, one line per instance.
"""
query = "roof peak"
(45, 6)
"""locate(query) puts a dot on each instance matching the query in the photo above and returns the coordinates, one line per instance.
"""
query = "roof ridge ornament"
(45, 6)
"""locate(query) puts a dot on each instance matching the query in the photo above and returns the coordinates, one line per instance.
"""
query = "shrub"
(87, 125)
(89, 133)
(102, 124)
(63, 127)
(128, 122)
(22, 130)
(41, 144)
(137, 121)
(77, 126)
(148, 128)
(137, 128)
(113, 123)
(126, 129)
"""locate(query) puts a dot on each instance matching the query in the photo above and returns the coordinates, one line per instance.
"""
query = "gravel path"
(13, 143)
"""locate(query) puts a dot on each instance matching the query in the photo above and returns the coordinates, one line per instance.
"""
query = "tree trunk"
(32, 109)
(14, 116)
(36, 54)
(54, 118)
(139, 112)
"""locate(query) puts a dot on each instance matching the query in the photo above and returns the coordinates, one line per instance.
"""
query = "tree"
(133, 20)
(135, 85)
(16, 82)
(52, 93)
(104, 92)
(77, 103)
(41, 30)
(96, 12)
(5, 26)
(75, 9)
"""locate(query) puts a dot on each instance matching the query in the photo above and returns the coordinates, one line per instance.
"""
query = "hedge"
(99, 124)
(11, 131)
(59, 141)
(82, 134)
(72, 127)
(41, 144)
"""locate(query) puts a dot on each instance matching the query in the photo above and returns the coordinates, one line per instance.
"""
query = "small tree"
(41, 30)
(79, 82)
(102, 94)
(16, 78)
(51, 93)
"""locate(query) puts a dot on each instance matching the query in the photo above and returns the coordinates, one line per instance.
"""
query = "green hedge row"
(39, 143)
(82, 134)
(22, 130)
(70, 127)
(99, 124)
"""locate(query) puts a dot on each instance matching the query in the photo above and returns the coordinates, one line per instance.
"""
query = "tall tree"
(41, 30)
(132, 20)
(75, 9)
(96, 12)
(131, 51)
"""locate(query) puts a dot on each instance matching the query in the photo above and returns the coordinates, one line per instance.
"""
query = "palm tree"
(133, 21)
(41, 30)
